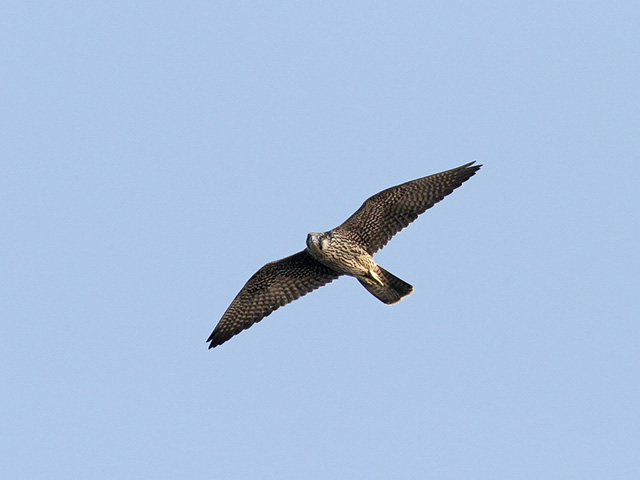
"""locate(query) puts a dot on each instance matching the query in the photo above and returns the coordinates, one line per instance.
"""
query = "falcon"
(346, 250)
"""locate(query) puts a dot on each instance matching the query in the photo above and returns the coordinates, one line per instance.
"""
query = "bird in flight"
(346, 250)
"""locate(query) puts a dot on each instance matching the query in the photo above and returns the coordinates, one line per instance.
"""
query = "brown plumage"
(274, 285)
(347, 249)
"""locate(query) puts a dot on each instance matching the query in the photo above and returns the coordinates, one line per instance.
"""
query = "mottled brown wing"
(271, 287)
(386, 213)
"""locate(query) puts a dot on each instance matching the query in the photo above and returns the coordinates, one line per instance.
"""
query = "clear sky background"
(155, 154)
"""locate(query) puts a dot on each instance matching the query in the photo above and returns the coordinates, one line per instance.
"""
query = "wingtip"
(471, 166)
(217, 338)
(466, 171)
(212, 341)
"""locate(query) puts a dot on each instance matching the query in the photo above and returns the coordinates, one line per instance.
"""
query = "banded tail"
(392, 289)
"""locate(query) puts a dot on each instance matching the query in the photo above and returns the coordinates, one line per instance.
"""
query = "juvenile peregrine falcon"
(346, 250)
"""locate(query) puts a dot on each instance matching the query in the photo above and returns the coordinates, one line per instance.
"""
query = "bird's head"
(312, 240)
(316, 242)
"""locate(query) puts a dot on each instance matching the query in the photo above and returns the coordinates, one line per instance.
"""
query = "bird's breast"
(343, 255)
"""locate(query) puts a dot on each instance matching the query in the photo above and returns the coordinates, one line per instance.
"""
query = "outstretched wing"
(386, 213)
(271, 287)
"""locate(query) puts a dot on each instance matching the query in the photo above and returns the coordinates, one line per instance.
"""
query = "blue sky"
(156, 154)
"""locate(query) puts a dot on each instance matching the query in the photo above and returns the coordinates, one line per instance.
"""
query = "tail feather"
(393, 289)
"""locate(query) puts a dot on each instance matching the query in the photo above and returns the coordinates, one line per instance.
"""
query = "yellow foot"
(376, 278)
